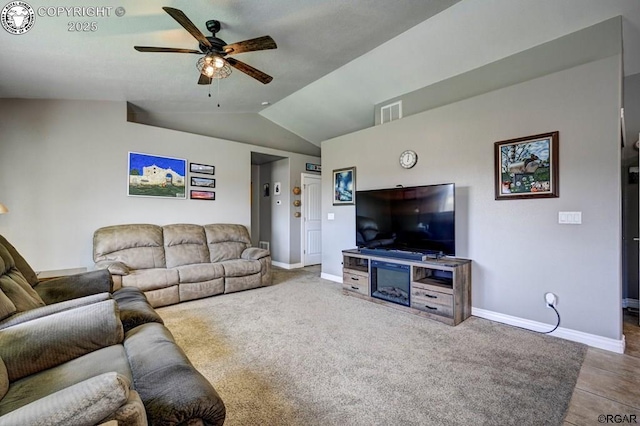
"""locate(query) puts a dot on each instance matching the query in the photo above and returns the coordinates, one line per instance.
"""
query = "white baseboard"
(630, 303)
(563, 333)
(287, 265)
(330, 277)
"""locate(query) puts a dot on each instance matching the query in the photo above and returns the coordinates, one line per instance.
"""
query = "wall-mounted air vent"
(263, 245)
(391, 112)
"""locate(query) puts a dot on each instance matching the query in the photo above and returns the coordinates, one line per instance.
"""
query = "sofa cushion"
(200, 272)
(84, 403)
(18, 290)
(139, 246)
(35, 386)
(44, 311)
(4, 379)
(15, 286)
(184, 244)
(22, 265)
(7, 308)
(226, 241)
(191, 291)
(246, 282)
(151, 279)
(163, 296)
(241, 267)
(46, 342)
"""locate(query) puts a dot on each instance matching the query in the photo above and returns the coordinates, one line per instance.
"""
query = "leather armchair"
(369, 236)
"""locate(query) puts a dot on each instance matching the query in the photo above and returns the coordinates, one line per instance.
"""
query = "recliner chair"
(73, 291)
(369, 236)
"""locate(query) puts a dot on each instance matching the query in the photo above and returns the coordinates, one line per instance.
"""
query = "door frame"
(303, 236)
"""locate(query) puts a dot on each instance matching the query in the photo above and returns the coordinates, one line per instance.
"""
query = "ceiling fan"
(215, 50)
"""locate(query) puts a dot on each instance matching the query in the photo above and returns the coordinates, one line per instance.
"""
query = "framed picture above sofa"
(202, 195)
(156, 176)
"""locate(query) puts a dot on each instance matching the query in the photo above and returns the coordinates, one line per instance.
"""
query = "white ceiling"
(335, 60)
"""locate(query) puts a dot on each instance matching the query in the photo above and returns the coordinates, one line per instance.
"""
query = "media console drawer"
(355, 282)
(429, 305)
(432, 297)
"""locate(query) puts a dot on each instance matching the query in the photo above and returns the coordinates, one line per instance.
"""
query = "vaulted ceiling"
(335, 59)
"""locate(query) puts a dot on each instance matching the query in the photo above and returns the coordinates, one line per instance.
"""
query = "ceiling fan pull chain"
(218, 83)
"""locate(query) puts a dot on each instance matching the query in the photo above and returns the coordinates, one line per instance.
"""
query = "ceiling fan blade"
(165, 50)
(186, 23)
(249, 70)
(260, 43)
(204, 79)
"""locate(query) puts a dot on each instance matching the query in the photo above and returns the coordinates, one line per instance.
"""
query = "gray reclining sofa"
(179, 262)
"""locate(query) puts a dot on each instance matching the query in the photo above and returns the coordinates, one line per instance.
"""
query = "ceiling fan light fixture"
(213, 67)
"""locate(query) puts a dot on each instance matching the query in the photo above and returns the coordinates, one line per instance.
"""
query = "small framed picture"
(344, 186)
(202, 195)
(527, 167)
(276, 188)
(202, 168)
(203, 182)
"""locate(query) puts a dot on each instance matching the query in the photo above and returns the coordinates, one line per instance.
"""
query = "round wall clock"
(408, 159)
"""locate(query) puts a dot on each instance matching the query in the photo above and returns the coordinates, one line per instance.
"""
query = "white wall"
(63, 174)
(519, 250)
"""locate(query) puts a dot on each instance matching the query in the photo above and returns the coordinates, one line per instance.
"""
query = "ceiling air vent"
(391, 112)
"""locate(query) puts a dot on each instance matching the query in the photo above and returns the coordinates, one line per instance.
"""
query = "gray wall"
(592, 43)
(249, 128)
(63, 174)
(280, 232)
(519, 250)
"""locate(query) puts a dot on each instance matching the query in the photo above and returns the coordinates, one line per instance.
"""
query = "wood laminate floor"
(608, 388)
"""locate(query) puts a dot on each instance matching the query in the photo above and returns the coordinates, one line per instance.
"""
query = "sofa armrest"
(49, 341)
(25, 316)
(255, 253)
(114, 267)
(85, 403)
(75, 286)
(172, 390)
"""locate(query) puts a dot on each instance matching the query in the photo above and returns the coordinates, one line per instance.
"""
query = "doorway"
(311, 220)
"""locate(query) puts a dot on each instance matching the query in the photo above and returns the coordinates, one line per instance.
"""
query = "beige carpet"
(302, 353)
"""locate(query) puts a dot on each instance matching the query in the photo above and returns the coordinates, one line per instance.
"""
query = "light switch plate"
(570, 218)
(331, 216)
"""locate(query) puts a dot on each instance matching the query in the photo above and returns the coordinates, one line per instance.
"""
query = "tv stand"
(439, 288)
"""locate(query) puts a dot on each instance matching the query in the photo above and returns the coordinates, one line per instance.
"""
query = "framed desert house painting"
(156, 176)
(527, 167)
(344, 186)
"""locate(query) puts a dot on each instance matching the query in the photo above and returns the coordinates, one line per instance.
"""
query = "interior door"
(311, 220)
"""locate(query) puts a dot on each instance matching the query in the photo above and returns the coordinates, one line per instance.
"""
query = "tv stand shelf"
(439, 289)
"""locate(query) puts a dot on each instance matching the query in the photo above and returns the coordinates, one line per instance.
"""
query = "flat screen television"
(419, 218)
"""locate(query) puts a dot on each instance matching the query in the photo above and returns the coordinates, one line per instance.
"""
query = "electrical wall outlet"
(550, 299)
